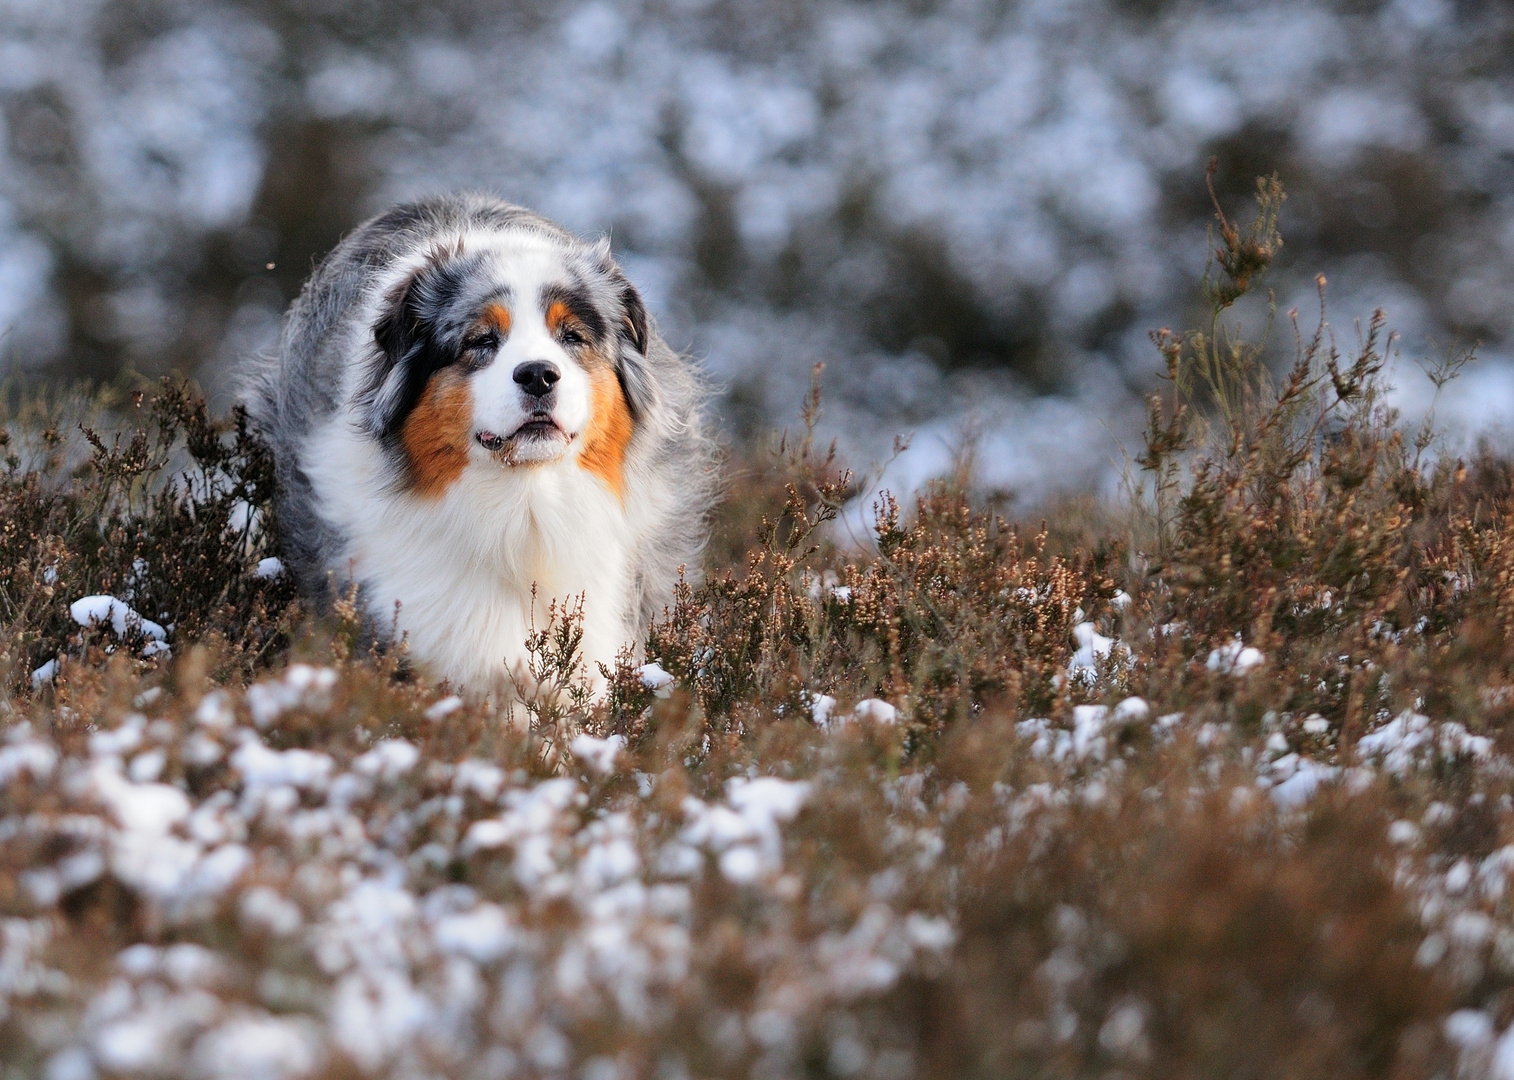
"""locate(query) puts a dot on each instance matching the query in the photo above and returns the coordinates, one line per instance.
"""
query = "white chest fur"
(461, 566)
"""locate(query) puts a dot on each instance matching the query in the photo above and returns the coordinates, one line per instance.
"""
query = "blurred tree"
(974, 186)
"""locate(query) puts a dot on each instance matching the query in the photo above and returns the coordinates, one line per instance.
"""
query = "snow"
(257, 1044)
(588, 912)
(119, 616)
(822, 710)
(407, 959)
(444, 707)
(598, 754)
(1502, 1065)
(1410, 738)
(483, 934)
(1087, 740)
(1088, 731)
(745, 835)
(26, 756)
(875, 710)
(389, 760)
(214, 711)
(264, 907)
(147, 767)
(146, 808)
(1297, 779)
(1124, 1031)
(1092, 645)
(1468, 1029)
(71, 1063)
(270, 568)
(1403, 832)
(45, 674)
(262, 768)
(123, 738)
(483, 778)
(372, 1016)
(1131, 710)
(768, 798)
(1234, 658)
(420, 903)
(302, 687)
(655, 678)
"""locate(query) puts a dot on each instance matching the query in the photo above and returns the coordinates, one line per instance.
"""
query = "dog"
(473, 416)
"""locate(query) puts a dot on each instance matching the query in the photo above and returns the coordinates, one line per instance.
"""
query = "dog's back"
(468, 402)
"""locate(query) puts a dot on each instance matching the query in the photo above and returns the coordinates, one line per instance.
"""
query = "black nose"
(537, 377)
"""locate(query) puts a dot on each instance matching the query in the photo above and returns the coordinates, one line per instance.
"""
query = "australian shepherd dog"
(472, 416)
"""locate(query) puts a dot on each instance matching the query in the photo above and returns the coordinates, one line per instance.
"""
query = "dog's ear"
(397, 327)
(634, 318)
(632, 332)
(398, 334)
(408, 340)
(634, 369)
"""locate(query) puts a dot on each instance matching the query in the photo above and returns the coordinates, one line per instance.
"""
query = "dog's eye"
(481, 342)
(570, 336)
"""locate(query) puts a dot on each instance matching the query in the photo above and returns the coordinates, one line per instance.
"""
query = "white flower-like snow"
(1410, 738)
(445, 707)
(656, 678)
(1131, 710)
(214, 711)
(1092, 645)
(389, 760)
(1297, 778)
(26, 755)
(107, 610)
(45, 674)
(264, 768)
(598, 754)
(256, 1043)
(302, 686)
(875, 710)
(745, 835)
(1234, 658)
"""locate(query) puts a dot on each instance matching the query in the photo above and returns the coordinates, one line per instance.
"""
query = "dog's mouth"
(540, 426)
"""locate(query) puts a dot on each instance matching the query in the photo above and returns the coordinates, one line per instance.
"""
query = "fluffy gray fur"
(670, 465)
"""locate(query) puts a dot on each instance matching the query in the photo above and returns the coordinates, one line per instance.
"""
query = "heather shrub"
(1214, 783)
(171, 513)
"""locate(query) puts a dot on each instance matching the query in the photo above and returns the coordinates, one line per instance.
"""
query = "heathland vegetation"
(1212, 782)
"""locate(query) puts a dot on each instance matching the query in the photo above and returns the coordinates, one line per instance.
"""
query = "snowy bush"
(1213, 783)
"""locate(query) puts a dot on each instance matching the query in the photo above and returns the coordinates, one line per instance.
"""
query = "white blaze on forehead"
(527, 265)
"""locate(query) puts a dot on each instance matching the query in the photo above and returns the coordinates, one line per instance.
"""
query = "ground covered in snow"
(326, 875)
(1219, 782)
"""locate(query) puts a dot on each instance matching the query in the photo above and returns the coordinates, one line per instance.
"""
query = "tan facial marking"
(557, 314)
(609, 431)
(560, 316)
(496, 316)
(437, 434)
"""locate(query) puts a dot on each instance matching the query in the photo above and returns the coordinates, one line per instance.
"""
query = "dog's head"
(519, 348)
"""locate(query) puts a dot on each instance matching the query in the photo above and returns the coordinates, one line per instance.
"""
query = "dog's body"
(469, 404)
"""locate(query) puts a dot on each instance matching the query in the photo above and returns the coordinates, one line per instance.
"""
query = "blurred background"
(971, 210)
